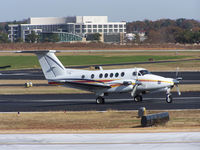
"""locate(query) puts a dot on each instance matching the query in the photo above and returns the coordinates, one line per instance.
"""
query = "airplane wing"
(81, 85)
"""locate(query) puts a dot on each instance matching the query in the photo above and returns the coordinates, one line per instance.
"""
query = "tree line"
(167, 30)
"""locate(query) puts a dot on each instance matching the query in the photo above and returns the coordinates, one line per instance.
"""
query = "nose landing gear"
(169, 97)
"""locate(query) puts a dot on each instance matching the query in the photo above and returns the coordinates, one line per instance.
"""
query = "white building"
(79, 25)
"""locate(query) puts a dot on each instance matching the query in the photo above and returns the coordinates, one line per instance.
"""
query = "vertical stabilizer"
(51, 66)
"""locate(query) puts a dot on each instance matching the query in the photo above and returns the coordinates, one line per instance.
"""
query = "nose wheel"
(100, 100)
(169, 98)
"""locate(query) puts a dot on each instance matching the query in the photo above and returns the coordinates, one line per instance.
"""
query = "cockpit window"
(144, 72)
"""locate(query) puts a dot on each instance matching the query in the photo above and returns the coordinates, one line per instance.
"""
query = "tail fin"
(51, 66)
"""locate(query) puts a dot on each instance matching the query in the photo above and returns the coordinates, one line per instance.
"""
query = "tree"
(93, 37)
(4, 38)
(32, 38)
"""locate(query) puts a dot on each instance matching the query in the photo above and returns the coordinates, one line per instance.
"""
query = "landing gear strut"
(100, 100)
(138, 98)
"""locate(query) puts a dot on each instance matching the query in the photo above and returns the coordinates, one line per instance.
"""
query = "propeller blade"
(179, 93)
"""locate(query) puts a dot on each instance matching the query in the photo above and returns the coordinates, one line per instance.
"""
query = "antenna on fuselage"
(98, 68)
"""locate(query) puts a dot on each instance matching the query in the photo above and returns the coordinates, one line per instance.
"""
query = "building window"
(105, 30)
(122, 74)
(106, 75)
(100, 30)
(94, 26)
(92, 76)
(116, 74)
(77, 26)
(115, 26)
(120, 26)
(83, 26)
(94, 30)
(110, 30)
(89, 26)
(89, 30)
(115, 30)
(100, 75)
(77, 31)
(110, 26)
(105, 26)
(120, 30)
(99, 26)
(111, 75)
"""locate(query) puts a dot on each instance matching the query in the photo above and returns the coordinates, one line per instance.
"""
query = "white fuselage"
(120, 80)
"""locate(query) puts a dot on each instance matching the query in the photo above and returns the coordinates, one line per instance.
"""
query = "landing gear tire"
(100, 100)
(169, 99)
(138, 98)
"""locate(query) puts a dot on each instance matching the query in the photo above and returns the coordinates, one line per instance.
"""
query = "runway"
(86, 102)
(142, 141)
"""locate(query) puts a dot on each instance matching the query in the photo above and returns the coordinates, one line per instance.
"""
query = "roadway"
(86, 102)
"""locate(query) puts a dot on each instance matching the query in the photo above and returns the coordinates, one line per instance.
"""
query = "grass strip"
(92, 120)
(19, 62)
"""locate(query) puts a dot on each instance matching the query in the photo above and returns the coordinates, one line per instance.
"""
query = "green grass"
(18, 62)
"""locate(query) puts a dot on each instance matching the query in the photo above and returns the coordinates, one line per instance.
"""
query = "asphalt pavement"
(87, 102)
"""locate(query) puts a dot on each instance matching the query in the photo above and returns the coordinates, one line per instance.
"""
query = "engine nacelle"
(121, 86)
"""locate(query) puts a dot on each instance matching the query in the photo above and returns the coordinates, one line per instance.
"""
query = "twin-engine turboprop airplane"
(137, 81)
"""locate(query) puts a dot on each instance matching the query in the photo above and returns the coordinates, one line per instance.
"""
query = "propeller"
(177, 81)
(137, 83)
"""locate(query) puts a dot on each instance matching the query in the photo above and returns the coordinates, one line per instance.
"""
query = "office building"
(72, 28)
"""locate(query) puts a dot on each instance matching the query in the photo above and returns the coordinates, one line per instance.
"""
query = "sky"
(116, 10)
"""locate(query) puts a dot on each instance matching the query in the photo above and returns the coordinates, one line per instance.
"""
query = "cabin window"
(116, 74)
(106, 75)
(100, 75)
(122, 74)
(144, 72)
(111, 75)
(83, 76)
(92, 76)
(134, 73)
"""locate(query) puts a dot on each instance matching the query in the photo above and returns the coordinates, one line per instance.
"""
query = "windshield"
(144, 72)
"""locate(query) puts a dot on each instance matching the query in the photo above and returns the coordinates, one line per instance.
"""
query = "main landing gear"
(100, 100)
(137, 98)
